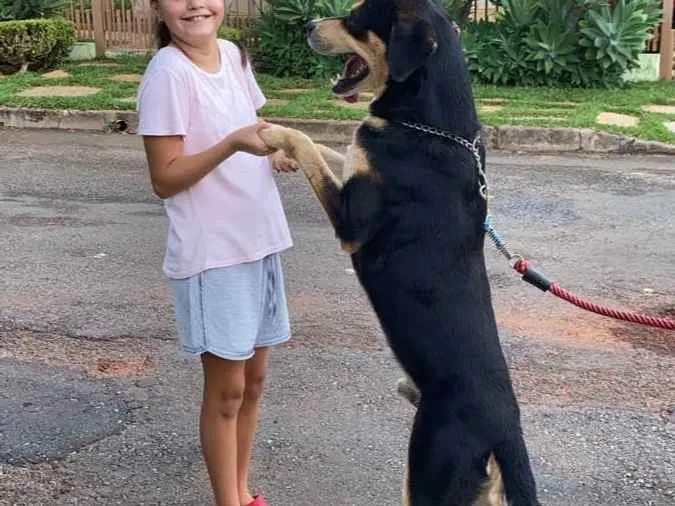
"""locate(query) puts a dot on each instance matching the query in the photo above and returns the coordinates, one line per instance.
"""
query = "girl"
(197, 107)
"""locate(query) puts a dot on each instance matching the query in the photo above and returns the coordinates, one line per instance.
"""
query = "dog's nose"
(310, 26)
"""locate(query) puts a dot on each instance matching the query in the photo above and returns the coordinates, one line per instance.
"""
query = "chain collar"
(472, 147)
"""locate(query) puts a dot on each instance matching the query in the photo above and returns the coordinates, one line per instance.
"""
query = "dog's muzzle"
(315, 41)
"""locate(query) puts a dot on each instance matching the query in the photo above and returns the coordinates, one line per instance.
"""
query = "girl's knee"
(254, 386)
(225, 400)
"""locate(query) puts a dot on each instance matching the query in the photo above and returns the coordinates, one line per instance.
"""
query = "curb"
(507, 138)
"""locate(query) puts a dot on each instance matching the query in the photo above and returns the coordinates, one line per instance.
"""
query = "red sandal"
(257, 501)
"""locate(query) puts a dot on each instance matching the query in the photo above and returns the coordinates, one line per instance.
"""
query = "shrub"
(551, 42)
(35, 44)
(458, 10)
(31, 9)
(281, 47)
(229, 33)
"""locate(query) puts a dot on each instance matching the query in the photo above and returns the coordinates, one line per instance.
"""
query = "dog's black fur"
(411, 213)
(418, 218)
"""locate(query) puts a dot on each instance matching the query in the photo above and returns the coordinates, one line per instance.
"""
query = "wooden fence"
(128, 24)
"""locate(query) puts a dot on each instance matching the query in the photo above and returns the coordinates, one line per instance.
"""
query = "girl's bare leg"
(224, 385)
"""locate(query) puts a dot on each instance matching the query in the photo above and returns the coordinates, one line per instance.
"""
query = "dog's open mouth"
(355, 70)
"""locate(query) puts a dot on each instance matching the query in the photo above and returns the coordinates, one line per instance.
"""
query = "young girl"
(197, 107)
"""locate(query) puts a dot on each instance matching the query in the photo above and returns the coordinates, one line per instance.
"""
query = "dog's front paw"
(288, 139)
(276, 137)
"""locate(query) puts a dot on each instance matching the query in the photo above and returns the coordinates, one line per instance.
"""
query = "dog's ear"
(411, 42)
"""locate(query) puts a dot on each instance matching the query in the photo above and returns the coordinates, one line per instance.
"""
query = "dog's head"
(385, 40)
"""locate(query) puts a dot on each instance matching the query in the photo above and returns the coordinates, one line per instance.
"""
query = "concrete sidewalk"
(506, 138)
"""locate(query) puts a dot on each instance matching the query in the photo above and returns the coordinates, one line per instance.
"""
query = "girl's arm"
(172, 172)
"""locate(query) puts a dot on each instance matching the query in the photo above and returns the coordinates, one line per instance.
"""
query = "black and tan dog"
(410, 209)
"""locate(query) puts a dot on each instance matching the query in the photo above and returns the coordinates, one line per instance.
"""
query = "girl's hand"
(282, 163)
(246, 139)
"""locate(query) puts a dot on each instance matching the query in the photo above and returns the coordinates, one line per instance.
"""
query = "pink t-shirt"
(234, 214)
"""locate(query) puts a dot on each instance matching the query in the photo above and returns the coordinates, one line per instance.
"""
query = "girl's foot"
(257, 501)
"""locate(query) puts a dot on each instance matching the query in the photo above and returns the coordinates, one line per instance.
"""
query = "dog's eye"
(353, 26)
(350, 24)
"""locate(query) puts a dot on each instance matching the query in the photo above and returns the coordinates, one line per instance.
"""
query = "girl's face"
(194, 22)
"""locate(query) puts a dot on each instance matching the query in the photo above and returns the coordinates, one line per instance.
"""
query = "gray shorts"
(230, 311)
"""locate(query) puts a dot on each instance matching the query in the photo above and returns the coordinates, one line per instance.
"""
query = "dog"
(410, 209)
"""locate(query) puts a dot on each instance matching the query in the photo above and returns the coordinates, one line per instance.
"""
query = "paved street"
(99, 407)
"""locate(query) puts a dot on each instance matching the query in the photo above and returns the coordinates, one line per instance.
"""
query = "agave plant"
(614, 35)
(301, 11)
(554, 47)
(282, 47)
(518, 14)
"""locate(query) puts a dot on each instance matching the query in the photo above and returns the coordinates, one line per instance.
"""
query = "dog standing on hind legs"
(410, 210)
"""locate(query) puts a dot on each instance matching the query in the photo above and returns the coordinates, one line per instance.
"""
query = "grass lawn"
(298, 98)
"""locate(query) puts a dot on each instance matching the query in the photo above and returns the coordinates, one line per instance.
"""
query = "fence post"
(99, 29)
(667, 47)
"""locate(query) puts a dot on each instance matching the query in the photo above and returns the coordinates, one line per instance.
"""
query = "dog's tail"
(519, 484)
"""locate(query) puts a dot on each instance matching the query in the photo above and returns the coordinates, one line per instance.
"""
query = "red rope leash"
(533, 277)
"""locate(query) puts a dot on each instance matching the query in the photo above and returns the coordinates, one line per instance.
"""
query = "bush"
(281, 48)
(458, 10)
(229, 33)
(31, 9)
(550, 42)
(36, 44)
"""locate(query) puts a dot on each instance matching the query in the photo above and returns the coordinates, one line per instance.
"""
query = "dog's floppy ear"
(411, 42)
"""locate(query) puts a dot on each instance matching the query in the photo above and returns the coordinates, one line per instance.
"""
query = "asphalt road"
(98, 406)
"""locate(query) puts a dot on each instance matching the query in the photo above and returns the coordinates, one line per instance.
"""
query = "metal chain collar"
(472, 147)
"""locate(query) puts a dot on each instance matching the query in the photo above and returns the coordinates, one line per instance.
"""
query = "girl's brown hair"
(163, 37)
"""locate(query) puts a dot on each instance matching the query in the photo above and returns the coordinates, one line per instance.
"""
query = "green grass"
(520, 106)
(88, 74)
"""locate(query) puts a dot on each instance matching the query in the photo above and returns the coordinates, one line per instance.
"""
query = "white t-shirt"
(234, 214)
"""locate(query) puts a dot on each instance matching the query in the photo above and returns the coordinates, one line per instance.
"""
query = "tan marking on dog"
(350, 247)
(492, 493)
(348, 166)
(375, 122)
(406, 487)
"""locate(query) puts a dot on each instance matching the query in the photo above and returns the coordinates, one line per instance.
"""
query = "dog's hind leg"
(446, 465)
(492, 493)
(519, 483)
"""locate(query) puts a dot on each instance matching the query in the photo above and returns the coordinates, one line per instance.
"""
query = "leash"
(521, 265)
(535, 278)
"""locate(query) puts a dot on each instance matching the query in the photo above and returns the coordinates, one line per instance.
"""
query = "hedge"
(35, 44)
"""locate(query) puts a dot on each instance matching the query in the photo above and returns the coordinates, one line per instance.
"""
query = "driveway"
(98, 406)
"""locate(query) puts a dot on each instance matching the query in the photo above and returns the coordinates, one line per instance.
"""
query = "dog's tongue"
(352, 98)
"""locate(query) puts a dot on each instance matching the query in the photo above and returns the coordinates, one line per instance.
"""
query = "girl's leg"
(256, 368)
(224, 382)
